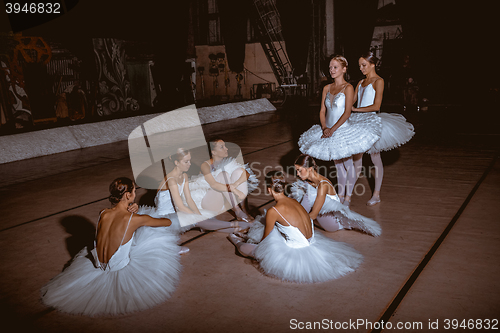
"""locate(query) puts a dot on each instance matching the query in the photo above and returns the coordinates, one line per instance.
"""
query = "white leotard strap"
(126, 228)
(182, 185)
(326, 181)
(282, 216)
(100, 213)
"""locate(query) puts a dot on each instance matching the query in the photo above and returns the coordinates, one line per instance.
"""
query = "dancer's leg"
(223, 226)
(213, 200)
(235, 176)
(329, 223)
(358, 164)
(341, 178)
(379, 176)
(245, 249)
(352, 176)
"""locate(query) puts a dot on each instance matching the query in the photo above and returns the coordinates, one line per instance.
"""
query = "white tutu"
(324, 259)
(198, 186)
(149, 279)
(396, 131)
(346, 217)
(353, 137)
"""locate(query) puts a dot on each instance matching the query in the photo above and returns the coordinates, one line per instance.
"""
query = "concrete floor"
(436, 185)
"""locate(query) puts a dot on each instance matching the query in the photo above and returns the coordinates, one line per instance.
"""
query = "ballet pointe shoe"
(347, 202)
(238, 228)
(235, 239)
(373, 201)
(184, 250)
(341, 199)
(242, 216)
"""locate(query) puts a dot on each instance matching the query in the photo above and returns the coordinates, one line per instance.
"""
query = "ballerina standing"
(317, 195)
(338, 138)
(396, 131)
(289, 248)
(135, 263)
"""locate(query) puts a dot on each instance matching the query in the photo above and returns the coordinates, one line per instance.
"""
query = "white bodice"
(163, 200)
(335, 108)
(293, 236)
(366, 95)
(120, 258)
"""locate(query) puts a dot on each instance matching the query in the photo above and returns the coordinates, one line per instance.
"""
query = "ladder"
(271, 39)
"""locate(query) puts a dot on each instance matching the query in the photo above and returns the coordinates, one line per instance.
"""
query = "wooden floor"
(435, 261)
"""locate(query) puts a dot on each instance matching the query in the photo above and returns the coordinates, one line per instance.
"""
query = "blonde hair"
(340, 59)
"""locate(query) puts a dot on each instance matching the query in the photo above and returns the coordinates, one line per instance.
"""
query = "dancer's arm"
(322, 110)
(215, 185)
(378, 85)
(271, 218)
(146, 220)
(176, 197)
(320, 200)
(355, 99)
(189, 199)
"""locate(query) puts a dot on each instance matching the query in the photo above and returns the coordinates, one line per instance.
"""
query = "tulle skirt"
(353, 137)
(149, 279)
(396, 131)
(324, 259)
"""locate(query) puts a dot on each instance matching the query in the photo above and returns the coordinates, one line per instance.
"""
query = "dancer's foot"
(373, 201)
(184, 250)
(235, 239)
(341, 198)
(238, 228)
(347, 201)
(242, 216)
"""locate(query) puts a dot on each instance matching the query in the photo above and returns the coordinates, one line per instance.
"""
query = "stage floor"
(435, 260)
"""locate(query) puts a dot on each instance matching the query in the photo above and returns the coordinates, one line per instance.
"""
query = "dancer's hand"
(240, 194)
(133, 208)
(327, 133)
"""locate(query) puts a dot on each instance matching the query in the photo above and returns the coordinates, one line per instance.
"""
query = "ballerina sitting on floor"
(289, 248)
(225, 183)
(174, 196)
(317, 195)
(132, 267)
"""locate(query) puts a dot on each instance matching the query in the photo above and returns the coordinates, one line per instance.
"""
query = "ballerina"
(289, 248)
(338, 138)
(174, 195)
(224, 182)
(317, 195)
(135, 263)
(396, 131)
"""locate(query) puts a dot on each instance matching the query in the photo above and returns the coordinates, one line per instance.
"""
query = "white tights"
(346, 176)
(379, 168)
(215, 200)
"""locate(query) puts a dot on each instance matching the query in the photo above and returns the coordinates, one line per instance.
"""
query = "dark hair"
(119, 187)
(276, 181)
(178, 155)
(370, 57)
(306, 161)
(212, 143)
